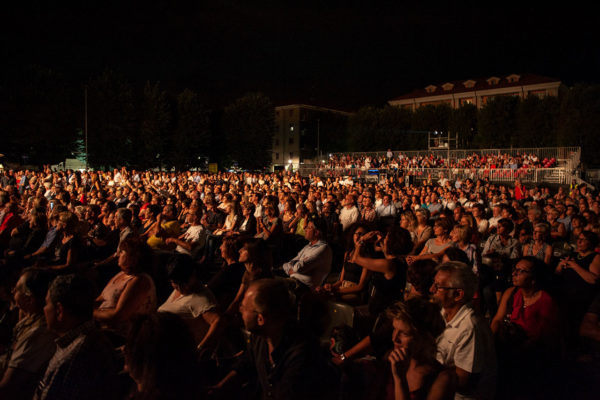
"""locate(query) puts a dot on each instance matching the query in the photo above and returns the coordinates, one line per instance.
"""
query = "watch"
(343, 357)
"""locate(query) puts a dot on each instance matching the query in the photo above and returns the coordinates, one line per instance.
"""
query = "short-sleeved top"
(435, 248)
(171, 229)
(190, 308)
(195, 234)
(32, 347)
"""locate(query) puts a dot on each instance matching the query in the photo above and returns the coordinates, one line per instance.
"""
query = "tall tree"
(154, 133)
(191, 138)
(463, 122)
(111, 120)
(248, 124)
(497, 122)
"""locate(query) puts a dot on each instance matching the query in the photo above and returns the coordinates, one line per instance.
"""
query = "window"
(448, 86)
(277, 156)
(291, 128)
(430, 88)
(291, 140)
(469, 84)
(276, 141)
(494, 80)
(291, 155)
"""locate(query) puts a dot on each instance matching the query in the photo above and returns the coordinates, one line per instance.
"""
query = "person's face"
(22, 299)
(442, 291)
(243, 254)
(402, 337)
(251, 317)
(454, 235)
(521, 274)
(538, 234)
(50, 313)
(310, 232)
(125, 261)
(403, 222)
(582, 243)
(457, 214)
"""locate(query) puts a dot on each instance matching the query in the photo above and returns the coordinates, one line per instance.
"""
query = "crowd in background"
(143, 284)
(399, 160)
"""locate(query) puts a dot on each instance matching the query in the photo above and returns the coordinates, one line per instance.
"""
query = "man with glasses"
(466, 343)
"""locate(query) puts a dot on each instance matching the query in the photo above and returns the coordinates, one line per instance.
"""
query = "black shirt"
(299, 369)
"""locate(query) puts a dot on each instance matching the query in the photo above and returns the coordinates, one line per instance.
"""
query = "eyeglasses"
(437, 287)
(519, 271)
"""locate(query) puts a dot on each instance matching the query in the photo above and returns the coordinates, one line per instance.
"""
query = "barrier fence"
(567, 157)
(530, 175)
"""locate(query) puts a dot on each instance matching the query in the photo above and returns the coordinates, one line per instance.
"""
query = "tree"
(154, 133)
(579, 120)
(497, 122)
(191, 137)
(463, 122)
(111, 121)
(536, 122)
(248, 124)
(38, 117)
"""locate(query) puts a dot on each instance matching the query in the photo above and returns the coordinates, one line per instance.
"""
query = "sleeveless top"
(387, 291)
(352, 271)
(422, 392)
(578, 294)
(541, 254)
(112, 293)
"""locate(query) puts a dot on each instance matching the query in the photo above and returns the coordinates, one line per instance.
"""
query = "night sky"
(340, 54)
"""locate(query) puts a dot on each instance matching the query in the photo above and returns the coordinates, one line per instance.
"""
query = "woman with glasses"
(353, 279)
(525, 330)
(579, 280)
(539, 247)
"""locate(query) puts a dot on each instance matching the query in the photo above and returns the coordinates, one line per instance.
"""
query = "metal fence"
(530, 175)
(567, 157)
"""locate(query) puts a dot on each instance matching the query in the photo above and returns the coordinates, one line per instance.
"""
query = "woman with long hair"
(258, 262)
(423, 231)
(415, 372)
(434, 248)
(389, 279)
(353, 278)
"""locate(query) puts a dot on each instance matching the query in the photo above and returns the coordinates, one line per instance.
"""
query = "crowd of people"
(395, 161)
(150, 285)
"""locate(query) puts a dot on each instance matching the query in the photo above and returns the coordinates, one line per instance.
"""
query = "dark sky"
(340, 54)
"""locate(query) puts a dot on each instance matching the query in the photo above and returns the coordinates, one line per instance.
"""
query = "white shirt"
(312, 264)
(348, 216)
(467, 343)
(195, 234)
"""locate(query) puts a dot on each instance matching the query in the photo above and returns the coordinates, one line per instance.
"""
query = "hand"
(399, 362)
(411, 259)
(337, 360)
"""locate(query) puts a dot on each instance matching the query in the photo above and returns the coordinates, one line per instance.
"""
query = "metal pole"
(318, 140)
(86, 131)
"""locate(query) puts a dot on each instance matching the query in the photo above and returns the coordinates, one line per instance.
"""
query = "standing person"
(466, 344)
(84, 366)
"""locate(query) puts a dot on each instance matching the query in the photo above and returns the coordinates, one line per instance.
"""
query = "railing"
(530, 175)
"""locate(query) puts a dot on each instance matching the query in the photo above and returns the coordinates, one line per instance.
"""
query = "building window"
(277, 156)
(291, 113)
(291, 128)
(276, 141)
(291, 155)
(291, 140)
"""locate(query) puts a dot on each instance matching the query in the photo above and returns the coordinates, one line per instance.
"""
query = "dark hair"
(319, 223)
(420, 275)
(259, 253)
(591, 237)
(75, 293)
(272, 298)
(160, 353)
(349, 234)
(507, 224)
(539, 270)
(36, 282)
(180, 269)
(456, 254)
(425, 321)
(399, 241)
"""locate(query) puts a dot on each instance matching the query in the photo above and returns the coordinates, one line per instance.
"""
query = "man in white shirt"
(466, 344)
(194, 238)
(349, 213)
(313, 263)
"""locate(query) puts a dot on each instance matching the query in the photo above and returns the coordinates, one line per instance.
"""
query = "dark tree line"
(148, 126)
(42, 122)
(571, 119)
